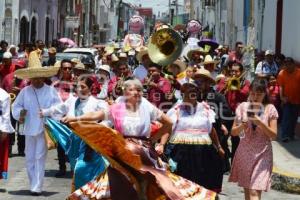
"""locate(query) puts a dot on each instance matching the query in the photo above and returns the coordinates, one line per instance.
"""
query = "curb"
(285, 181)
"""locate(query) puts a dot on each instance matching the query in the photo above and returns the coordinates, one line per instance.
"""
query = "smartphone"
(250, 113)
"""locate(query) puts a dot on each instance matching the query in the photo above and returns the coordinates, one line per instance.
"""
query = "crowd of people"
(177, 118)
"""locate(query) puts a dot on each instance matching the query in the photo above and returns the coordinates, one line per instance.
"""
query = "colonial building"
(9, 18)
(38, 20)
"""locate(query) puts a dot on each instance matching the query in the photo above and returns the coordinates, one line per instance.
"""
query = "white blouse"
(5, 124)
(191, 128)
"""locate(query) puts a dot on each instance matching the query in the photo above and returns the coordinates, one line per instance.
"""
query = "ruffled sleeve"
(272, 112)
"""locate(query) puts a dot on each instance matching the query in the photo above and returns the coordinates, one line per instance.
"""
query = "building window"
(209, 3)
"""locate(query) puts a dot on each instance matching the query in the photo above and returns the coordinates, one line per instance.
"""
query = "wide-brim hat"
(182, 66)
(109, 50)
(198, 50)
(141, 52)
(105, 68)
(204, 73)
(35, 69)
(79, 66)
(126, 48)
(209, 60)
(114, 58)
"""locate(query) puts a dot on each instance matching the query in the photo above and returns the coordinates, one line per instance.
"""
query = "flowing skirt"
(199, 163)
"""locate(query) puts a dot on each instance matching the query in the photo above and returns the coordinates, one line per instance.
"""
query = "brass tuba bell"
(165, 46)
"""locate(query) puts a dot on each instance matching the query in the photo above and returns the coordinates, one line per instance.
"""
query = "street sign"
(72, 21)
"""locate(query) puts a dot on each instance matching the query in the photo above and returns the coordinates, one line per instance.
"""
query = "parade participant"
(13, 50)
(86, 163)
(234, 96)
(274, 94)
(142, 56)
(237, 54)
(194, 139)
(116, 83)
(288, 80)
(219, 105)
(7, 66)
(196, 56)
(157, 87)
(25, 109)
(13, 85)
(194, 30)
(39, 48)
(256, 124)
(78, 69)
(267, 67)
(103, 76)
(135, 39)
(64, 87)
(3, 46)
(52, 57)
(132, 117)
(5, 128)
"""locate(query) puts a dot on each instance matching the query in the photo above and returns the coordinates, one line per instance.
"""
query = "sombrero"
(35, 69)
(109, 50)
(179, 63)
(199, 50)
(209, 60)
(204, 73)
(141, 52)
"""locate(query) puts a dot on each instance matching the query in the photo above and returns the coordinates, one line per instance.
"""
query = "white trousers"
(35, 156)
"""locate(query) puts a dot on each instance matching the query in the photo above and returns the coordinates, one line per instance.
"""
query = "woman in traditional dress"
(86, 163)
(132, 116)
(256, 124)
(195, 144)
(5, 128)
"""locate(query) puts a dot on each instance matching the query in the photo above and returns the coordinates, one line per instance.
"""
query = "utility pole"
(192, 12)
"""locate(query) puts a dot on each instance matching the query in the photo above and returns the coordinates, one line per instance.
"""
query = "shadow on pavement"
(27, 193)
(292, 147)
(2, 190)
(51, 173)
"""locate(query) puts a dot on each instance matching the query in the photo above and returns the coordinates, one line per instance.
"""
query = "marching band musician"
(157, 87)
(234, 97)
(116, 83)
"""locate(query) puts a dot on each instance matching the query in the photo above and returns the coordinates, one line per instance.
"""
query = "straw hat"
(52, 50)
(126, 48)
(35, 69)
(141, 52)
(179, 63)
(105, 68)
(204, 73)
(198, 50)
(79, 66)
(122, 55)
(109, 50)
(75, 61)
(114, 58)
(209, 60)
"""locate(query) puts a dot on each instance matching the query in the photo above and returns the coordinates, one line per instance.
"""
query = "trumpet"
(234, 83)
(147, 83)
(12, 97)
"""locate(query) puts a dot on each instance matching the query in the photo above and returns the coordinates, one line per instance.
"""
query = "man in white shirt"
(25, 109)
(141, 71)
(5, 128)
(267, 67)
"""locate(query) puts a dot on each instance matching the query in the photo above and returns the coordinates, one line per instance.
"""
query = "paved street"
(16, 187)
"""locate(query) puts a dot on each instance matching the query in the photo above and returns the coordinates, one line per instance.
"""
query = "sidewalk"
(286, 170)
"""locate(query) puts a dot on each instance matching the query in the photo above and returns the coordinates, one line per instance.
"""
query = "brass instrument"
(234, 83)
(120, 83)
(147, 83)
(165, 46)
(13, 94)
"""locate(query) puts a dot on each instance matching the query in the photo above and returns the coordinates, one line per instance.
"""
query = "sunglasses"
(67, 68)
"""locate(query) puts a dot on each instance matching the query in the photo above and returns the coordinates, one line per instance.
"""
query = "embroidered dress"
(85, 168)
(253, 162)
(142, 175)
(191, 146)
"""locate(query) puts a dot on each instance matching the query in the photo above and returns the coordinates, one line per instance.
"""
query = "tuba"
(165, 46)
